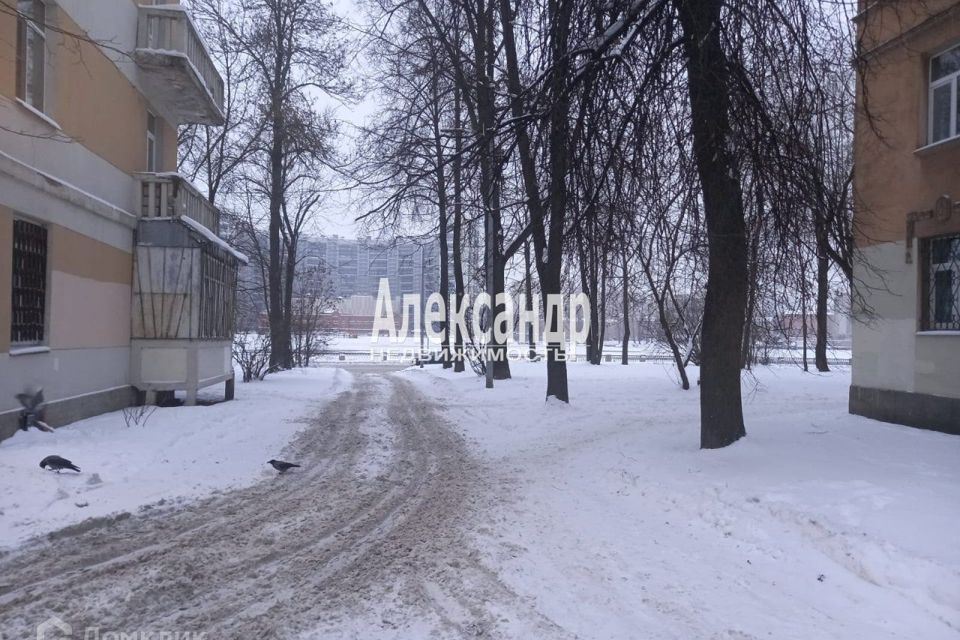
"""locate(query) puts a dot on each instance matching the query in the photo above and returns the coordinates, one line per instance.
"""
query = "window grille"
(28, 306)
(941, 284)
(219, 279)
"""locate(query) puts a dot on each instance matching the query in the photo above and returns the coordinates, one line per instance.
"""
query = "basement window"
(31, 51)
(29, 290)
(941, 284)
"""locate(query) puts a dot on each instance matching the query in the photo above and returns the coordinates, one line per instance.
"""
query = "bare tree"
(292, 48)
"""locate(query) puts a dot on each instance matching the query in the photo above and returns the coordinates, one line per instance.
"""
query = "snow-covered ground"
(817, 525)
(179, 453)
(363, 344)
(596, 520)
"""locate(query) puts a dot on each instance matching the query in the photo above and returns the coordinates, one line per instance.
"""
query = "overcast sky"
(337, 217)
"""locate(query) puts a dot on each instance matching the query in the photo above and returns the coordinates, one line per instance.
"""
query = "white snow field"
(817, 525)
(179, 453)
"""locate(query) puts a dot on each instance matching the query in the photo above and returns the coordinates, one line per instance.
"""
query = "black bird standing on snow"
(31, 415)
(281, 466)
(58, 464)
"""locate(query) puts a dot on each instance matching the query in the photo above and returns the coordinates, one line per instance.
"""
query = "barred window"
(28, 308)
(219, 279)
(941, 284)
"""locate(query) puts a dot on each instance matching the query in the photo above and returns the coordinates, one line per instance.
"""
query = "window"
(29, 283)
(31, 49)
(941, 284)
(151, 143)
(219, 278)
(944, 103)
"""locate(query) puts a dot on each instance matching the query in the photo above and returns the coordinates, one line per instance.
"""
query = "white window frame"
(953, 80)
(25, 51)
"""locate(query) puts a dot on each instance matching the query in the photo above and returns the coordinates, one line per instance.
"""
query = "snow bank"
(179, 453)
(819, 524)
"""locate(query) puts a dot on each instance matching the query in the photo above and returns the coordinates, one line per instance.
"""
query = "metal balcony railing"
(165, 33)
(169, 195)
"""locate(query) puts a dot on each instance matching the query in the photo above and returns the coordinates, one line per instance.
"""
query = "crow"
(31, 415)
(281, 466)
(58, 464)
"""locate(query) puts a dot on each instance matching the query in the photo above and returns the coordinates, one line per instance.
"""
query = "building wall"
(72, 172)
(6, 277)
(900, 372)
(95, 104)
(88, 327)
(891, 177)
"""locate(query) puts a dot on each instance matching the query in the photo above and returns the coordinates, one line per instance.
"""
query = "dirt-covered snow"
(175, 454)
(430, 507)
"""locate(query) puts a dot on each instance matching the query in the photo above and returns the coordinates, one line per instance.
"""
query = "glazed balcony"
(169, 195)
(178, 73)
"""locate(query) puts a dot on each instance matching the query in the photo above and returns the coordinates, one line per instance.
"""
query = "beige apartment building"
(906, 341)
(113, 279)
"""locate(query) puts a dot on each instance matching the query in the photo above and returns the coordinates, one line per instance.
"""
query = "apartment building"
(906, 340)
(113, 280)
(355, 267)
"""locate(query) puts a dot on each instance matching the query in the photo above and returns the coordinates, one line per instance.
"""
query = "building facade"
(355, 267)
(91, 95)
(906, 338)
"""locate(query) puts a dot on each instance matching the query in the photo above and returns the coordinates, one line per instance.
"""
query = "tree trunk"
(290, 269)
(490, 173)
(823, 296)
(721, 408)
(458, 363)
(442, 222)
(803, 314)
(548, 250)
(279, 339)
(501, 365)
(532, 353)
(747, 356)
(444, 290)
(587, 288)
(602, 313)
(660, 299)
(625, 349)
(558, 149)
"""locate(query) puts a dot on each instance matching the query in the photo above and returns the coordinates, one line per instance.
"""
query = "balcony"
(178, 73)
(169, 195)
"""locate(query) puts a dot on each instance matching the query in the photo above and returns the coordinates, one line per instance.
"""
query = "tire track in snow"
(371, 527)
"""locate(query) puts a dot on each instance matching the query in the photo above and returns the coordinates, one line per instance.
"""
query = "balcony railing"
(168, 195)
(179, 69)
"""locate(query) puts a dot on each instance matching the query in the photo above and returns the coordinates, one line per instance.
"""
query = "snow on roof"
(207, 234)
(214, 238)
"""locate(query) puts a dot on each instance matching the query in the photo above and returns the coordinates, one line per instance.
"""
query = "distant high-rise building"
(355, 267)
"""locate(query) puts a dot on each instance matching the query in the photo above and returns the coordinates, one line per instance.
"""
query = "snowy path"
(365, 536)
(173, 456)
(817, 526)
(424, 510)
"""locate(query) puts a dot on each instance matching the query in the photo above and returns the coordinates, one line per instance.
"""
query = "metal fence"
(404, 355)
